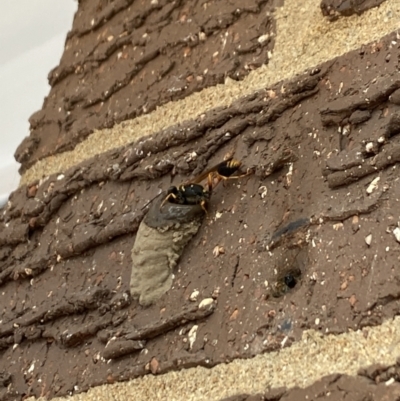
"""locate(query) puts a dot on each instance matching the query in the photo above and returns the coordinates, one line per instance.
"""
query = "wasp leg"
(167, 198)
(203, 206)
(219, 177)
(210, 180)
(231, 177)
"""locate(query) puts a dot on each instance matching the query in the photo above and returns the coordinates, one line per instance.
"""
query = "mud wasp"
(187, 194)
(221, 172)
(192, 193)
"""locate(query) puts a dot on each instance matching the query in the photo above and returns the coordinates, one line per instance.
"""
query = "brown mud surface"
(123, 58)
(316, 42)
(306, 242)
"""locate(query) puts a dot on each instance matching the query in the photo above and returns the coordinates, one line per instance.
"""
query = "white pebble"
(263, 38)
(373, 185)
(205, 303)
(369, 147)
(194, 295)
(396, 233)
(192, 335)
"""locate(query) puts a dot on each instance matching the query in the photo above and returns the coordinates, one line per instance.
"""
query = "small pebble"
(338, 226)
(369, 147)
(373, 185)
(192, 335)
(154, 365)
(263, 38)
(205, 303)
(368, 239)
(396, 233)
(194, 295)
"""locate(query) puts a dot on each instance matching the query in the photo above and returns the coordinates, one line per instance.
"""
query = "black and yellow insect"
(187, 194)
(193, 193)
(221, 172)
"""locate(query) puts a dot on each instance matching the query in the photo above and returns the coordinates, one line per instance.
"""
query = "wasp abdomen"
(228, 168)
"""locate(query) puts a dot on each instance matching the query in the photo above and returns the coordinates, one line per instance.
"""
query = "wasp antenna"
(151, 200)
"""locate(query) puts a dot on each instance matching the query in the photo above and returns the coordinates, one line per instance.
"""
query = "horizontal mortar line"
(306, 361)
(316, 42)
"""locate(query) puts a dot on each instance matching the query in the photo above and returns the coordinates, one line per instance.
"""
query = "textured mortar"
(317, 41)
(300, 365)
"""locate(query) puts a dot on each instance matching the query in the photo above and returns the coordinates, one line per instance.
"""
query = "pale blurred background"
(32, 37)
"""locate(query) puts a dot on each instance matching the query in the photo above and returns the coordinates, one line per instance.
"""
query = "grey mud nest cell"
(160, 241)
